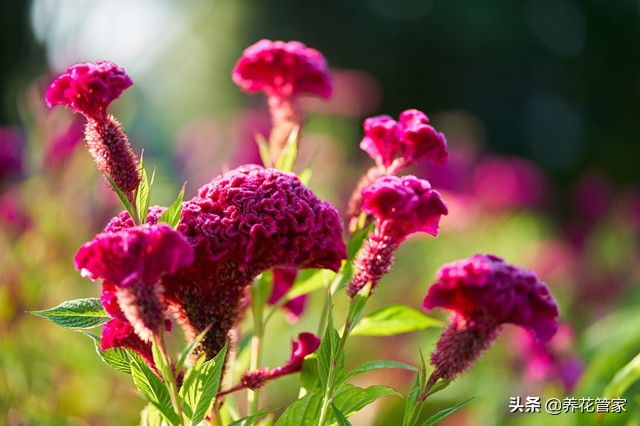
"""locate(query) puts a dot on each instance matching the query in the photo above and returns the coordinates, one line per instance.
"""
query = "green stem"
(256, 354)
(173, 387)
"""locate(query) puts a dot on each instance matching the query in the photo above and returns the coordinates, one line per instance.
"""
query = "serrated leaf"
(378, 365)
(151, 416)
(328, 354)
(200, 389)
(412, 401)
(340, 418)
(265, 151)
(117, 358)
(351, 399)
(394, 319)
(172, 214)
(251, 420)
(290, 152)
(161, 365)
(79, 314)
(143, 194)
(154, 390)
(303, 412)
(440, 415)
(124, 200)
(623, 379)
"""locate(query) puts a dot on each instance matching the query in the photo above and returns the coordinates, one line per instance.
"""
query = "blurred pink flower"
(283, 280)
(63, 145)
(485, 292)
(401, 207)
(13, 214)
(11, 154)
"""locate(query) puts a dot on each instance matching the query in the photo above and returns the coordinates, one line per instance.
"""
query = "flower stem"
(169, 376)
(256, 353)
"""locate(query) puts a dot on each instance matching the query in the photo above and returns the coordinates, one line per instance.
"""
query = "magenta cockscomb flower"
(89, 88)
(484, 292)
(134, 260)
(283, 280)
(242, 223)
(306, 344)
(401, 207)
(283, 71)
(395, 145)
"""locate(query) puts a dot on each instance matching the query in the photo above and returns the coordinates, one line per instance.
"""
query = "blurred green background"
(555, 83)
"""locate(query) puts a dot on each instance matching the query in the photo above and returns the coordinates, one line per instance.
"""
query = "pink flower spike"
(403, 206)
(89, 88)
(485, 287)
(283, 70)
(140, 254)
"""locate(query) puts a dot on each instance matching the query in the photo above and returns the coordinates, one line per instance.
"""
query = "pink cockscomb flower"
(401, 207)
(484, 292)
(395, 145)
(134, 260)
(241, 224)
(283, 280)
(283, 71)
(306, 344)
(89, 88)
(12, 143)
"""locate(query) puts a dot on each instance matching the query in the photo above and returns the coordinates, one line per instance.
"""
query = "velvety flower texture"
(485, 292)
(134, 260)
(283, 71)
(401, 206)
(306, 344)
(242, 223)
(283, 280)
(89, 88)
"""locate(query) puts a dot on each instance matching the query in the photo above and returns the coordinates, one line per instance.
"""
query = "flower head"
(406, 140)
(484, 292)
(89, 88)
(404, 205)
(282, 69)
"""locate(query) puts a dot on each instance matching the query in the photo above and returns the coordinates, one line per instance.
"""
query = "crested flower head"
(282, 69)
(405, 141)
(89, 88)
(486, 286)
(404, 205)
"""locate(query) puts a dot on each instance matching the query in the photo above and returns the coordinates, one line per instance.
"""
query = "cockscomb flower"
(89, 88)
(401, 206)
(241, 224)
(283, 280)
(394, 145)
(484, 292)
(306, 344)
(134, 260)
(282, 70)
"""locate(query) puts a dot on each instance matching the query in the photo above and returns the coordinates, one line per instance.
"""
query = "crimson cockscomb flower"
(89, 88)
(283, 71)
(241, 224)
(283, 280)
(134, 260)
(395, 145)
(484, 292)
(401, 206)
(306, 344)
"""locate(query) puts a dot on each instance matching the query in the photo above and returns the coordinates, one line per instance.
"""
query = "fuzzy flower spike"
(401, 207)
(133, 261)
(395, 145)
(88, 89)
(484, 292)
(283, 71)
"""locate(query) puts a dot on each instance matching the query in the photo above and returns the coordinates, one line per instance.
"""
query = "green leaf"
(623, 379)
(304, 412)
(412, 401)
(261, 288)
(356, 309)
(328, 356)
(265, 151)
(351, 399)
(346, 272)
(357, 239)
(251, 420)
(153, 389)
(200, 390)
(161, 365)
(188, 350)
(308, 282)
(151, 416)
(309, 373)
(341, 419)
(305, 176)
(124, 200)
(378, 365)
(172, 214)
(440, 415)
(79, 314)
(143, 195)
(117, 358)
(392, 320)
(290, 153)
